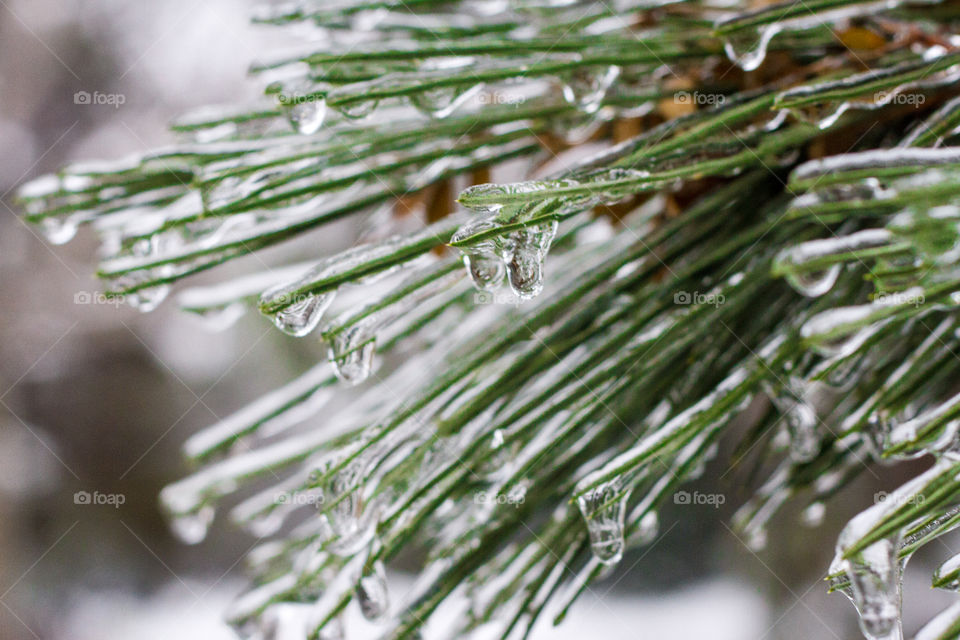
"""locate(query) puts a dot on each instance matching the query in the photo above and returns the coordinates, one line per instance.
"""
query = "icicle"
(748, 50)
(358, 110)
(791, 262)
(59, 229)
(485, 267)
(875, 575)
(525, 265)
(306, 116)
(814, 283)
(647, 529)
(442, 102)
(301, 318)
(587, 87)
(837, 331)
(372, 594)
(148, 299)
(604, 509)
(352, 521)
(352, 362)
(801, 419)
(191, 528)
(875, 571)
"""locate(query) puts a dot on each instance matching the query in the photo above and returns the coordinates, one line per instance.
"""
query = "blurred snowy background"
(95, 400)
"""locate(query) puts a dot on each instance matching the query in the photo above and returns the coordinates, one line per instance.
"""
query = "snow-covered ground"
(719, 610)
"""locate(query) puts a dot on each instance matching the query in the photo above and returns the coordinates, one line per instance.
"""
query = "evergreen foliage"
(738, 203)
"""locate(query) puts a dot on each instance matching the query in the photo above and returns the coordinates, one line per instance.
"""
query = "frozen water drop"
(358, 110)
(814, 284)
(587, 87)
(307, 116)
(353, 364)
(191, 528)
(302, 317)
(442, 102)
(604, 509)
(648, 528)
(801, 421)
(148, 299)
(372, 594)
(59, 230)
(875, 586)
(485, 268)
(352, 524)
(525, 265)
(800, 418)
(748, 49)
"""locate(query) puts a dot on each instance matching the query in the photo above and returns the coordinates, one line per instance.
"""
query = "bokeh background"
(98, 398)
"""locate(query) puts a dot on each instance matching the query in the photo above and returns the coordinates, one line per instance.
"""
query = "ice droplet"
(525, 266)
(352, 363)
(358, 110)
(307, 116)
(191, 528)
(802, 424)
(146, 300)
(814, 284)
(485, 268)
(352, 524)
(302, 317)
(604, 509)
(442, 102)
(59, 230)
(587, 87)
(748, 49)
(648, 528)
(800, 418)
(484, 265)
(875, 589)
(372, 594)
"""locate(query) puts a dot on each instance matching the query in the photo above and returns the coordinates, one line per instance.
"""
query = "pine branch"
(784, 229)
